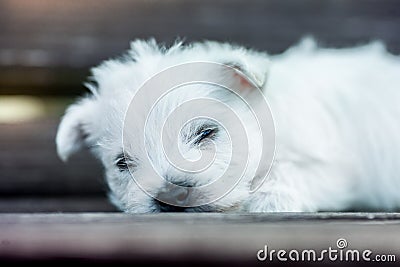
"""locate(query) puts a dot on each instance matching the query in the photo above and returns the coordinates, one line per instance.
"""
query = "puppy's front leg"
(276, 201)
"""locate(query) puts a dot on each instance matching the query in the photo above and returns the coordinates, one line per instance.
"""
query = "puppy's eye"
(125, 163)
(122, 164)
(204, 134)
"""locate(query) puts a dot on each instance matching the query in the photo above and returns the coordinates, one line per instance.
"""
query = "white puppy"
(336, 116)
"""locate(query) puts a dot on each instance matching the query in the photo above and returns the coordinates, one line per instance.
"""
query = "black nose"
(173, 198)
(174, 195)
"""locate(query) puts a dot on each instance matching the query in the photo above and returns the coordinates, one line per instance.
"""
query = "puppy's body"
(337, 127)
(336, 116)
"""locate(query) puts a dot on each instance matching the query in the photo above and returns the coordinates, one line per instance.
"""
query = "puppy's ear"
(248, 76)
(75, 127)
(247, 69)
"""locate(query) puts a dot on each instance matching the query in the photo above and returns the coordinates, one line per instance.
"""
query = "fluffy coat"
(336, 115)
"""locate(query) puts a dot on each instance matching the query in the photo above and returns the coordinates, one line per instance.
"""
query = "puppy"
(333, 143)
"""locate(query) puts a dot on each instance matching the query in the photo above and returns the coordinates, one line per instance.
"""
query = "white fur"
(336, 116)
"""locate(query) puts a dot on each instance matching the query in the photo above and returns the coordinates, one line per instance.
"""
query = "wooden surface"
(52, 43)
(29, 163)
(34, 179)
(46, 48)
(174, 239)
(42, 203)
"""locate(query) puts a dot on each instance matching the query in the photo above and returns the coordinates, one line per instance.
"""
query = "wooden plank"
(59, 40)
(29, 164)
(55, 81)
(206, 238)
(71, 203)
(82, 33)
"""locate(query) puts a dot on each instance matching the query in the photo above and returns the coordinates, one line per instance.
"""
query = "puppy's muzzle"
(177, 195)
(174, 198)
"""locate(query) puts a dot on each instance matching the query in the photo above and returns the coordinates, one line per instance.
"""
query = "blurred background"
(48, 46)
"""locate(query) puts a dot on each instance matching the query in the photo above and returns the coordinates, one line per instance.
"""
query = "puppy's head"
(158, 147)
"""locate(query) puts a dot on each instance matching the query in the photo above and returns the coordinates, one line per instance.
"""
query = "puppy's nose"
(175, 195)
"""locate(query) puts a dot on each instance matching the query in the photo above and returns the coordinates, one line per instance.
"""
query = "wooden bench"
(52, 211)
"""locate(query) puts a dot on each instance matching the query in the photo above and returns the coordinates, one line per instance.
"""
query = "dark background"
(47, 47)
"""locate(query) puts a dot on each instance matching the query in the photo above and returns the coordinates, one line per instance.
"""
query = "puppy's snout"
(176, 195)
